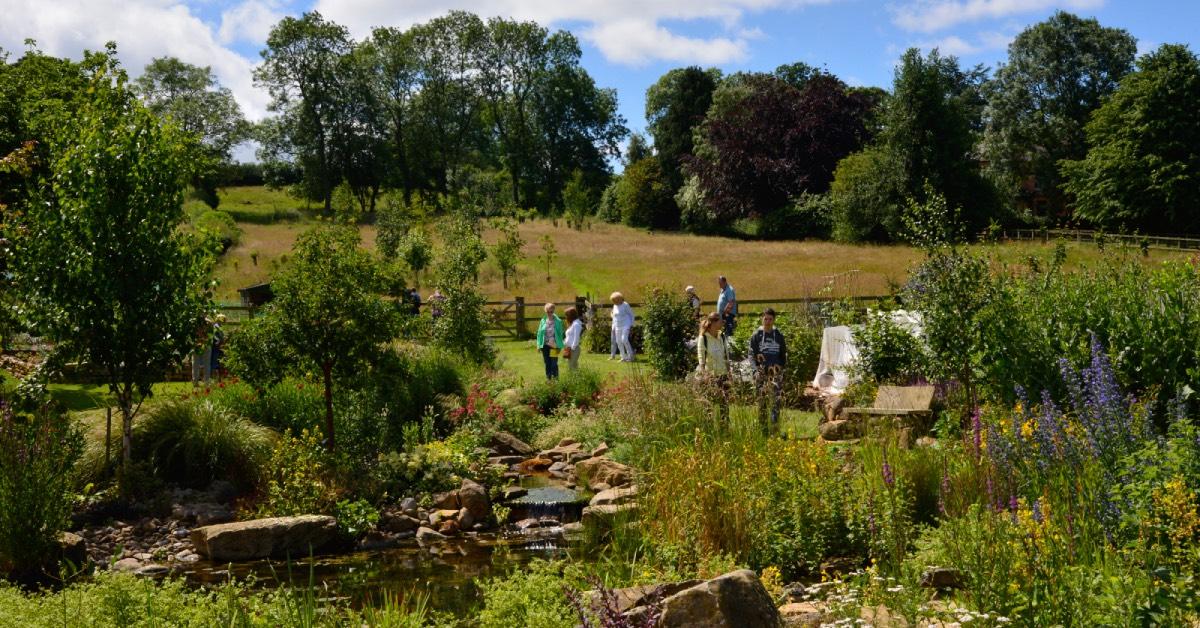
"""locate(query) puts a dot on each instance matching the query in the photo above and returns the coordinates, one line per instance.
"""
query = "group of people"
(767, 350)
(435, 302)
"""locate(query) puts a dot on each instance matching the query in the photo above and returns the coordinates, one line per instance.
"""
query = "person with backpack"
(713, 360)
(550, 340)
(768, 358)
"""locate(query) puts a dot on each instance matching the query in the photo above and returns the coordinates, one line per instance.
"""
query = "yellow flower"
(1027, 429)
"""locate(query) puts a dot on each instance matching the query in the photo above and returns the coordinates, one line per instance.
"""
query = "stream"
(445, 573)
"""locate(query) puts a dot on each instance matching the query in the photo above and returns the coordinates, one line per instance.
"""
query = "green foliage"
(37, 454)
(531, 597)
(416, 250)
(508, 250)
(461, 328)
(297, 478)
(1059, 71)
(193, 442)
(668, 321)
(867, 197)
(327, 309)
(609, 209)
(933, 224)
(1141, 171)
(645, 196)
(549, 253)
(887, 352)
(675, 104)
(255, 352)
(807, 216)
(355, 518)
(579, 389)
(579, 202)
(220, 226)
(433, 467)
(290, 404)
(103, 268)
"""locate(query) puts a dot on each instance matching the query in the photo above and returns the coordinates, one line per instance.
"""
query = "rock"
(566, 442)
(377, 540)
(187, 557)
(576, 456)
(802, 614)
(564, 452)
(606, 513)
(536, 464)
(905, 438)
(392, 521)
(505, 444)
(839, 430)
(600, 449)
(942, 578)
(426, 536)
(446, 501)
(144, 556)
(74, 549)
(127, 564)
(604, 471)
(927, 441)
(505, 461)
(839, 566)
(222, 491)
(465, 519)
(264, 538)
(449, 527)
(152, 571)
(408, 506)
(833, 408)
(474, 498)
(734, 599)
(615, 496)
(514, 492)
(573, 528)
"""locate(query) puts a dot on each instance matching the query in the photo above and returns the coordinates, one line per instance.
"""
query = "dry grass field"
(603, 258)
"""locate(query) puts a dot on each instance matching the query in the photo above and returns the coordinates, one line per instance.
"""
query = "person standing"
(414, 301)
(436, 302)
(217, 347)
(202, 355)
(768, 357)
(622, 325)
(550, 338)
(712, 356)
(727, 305)
(574, 338)
(695, 302)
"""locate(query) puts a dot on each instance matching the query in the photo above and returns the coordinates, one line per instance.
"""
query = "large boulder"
(505, 444)
(604, 471)
(844, 429)
(734, 599)
(615, 496)
(264, 538)
(74, 549)
(474, 499)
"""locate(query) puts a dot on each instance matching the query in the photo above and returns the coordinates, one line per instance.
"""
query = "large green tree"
(100, 261)
(301, 69)
(675, 105)
(1142, 169)
(1058, 72)
(192, 99)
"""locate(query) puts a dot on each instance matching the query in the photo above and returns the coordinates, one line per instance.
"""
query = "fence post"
(522, 330)
(107, 435)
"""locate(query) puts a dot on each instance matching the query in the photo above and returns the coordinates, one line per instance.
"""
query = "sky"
(627, 44)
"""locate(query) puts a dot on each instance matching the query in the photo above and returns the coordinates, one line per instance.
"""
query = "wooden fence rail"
(1161, 242)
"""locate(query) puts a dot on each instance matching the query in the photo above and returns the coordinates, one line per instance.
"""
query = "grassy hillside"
(605, 257)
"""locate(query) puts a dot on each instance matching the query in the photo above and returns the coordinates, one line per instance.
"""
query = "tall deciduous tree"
(1142, 170)
(776, 143)
(300, 69)
(1058, 72)
(190, 97)
(675, 105)
(102, 266)
(327, 308)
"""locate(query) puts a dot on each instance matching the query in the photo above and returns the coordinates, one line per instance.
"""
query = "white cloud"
(959, 47)
(143, 29)
(928, 16)
(250, 21)
(631, 32)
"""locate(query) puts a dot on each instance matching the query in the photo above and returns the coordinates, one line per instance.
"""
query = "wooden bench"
(901, 406)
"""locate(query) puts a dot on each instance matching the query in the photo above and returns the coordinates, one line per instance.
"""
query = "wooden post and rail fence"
(1159, 242)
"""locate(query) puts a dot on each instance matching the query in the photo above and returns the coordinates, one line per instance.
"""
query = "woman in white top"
(712, 353)
(574, 338)
(622, 324)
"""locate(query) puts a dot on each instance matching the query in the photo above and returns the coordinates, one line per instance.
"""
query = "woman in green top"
(550, 344)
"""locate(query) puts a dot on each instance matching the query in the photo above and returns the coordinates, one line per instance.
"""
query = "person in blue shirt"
(727, 305)
(550, 340)
(768, 358)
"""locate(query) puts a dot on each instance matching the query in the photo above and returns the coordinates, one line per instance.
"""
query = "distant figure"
(436, 301)
(727, 305)
(712, 356)
(550, 340)
(573, 339)
(622, 325)
(202, 356)
(218, 345)
(768, 357)
(694, 301)
(414, 301)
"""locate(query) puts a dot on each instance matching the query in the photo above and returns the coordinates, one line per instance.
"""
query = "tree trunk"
(328, 372)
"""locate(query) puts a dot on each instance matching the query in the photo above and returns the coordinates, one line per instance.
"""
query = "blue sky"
(627, 44)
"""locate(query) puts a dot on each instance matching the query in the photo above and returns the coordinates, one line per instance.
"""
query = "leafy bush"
(291, 405)
(355, 518)
(298, 478)
(598, 336)
(669, 322)
(219, 226)
(645, 196)
(807, 216)
(531, 597)
(193, 442)
(461, 328)
(609, 210)
(887, 352)
(575, 388)
(37, 453)
(867, 197)
(433, 467)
